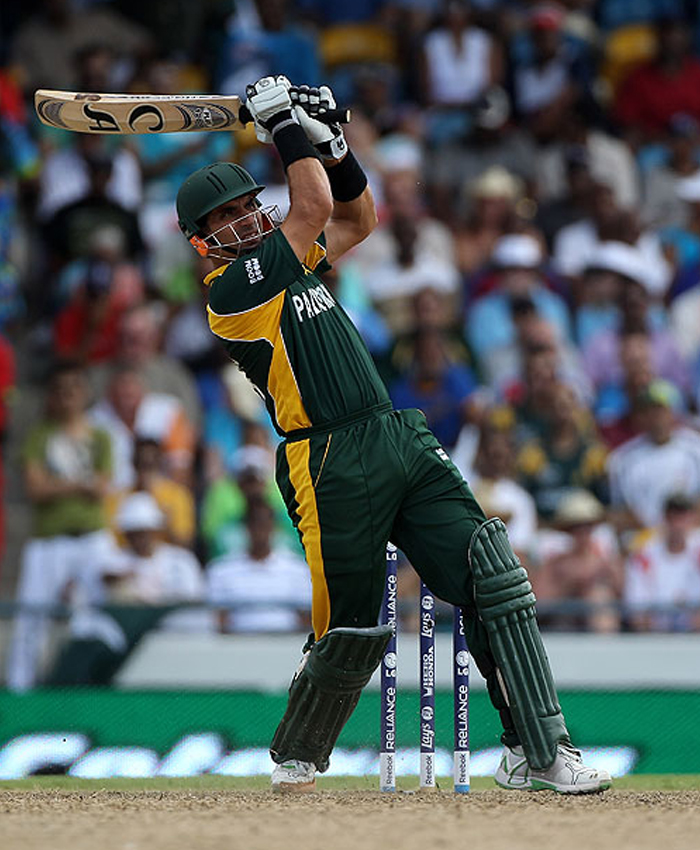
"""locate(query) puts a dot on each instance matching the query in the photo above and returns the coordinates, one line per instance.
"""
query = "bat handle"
(332, 116)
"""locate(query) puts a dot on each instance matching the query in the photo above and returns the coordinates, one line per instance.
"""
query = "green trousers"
(352, 489)
(385, 477)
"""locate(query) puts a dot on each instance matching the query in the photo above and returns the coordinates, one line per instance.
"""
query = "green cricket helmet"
(208, 188)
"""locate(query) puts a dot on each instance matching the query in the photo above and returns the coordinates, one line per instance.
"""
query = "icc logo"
(462, 658)
(390, 660)
(426, 713)
(427, 602)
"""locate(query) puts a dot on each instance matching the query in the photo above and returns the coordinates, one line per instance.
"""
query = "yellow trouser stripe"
(300, 478)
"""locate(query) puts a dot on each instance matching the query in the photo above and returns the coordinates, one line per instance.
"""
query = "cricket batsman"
(354, 472)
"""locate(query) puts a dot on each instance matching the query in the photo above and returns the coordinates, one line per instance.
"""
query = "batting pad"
(325, 691)
(506, 605)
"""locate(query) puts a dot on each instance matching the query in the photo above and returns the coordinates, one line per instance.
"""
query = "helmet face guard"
(238, 236)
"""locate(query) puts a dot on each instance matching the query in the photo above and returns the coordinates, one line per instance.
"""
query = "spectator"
(494, 485)
(682, 242)
(406, 253)
(552, 79)
(67, 465)
(65, 176)
(263, 588)
(493, 200)
(436, 385)
(517, 259)
(261, 40)
(668, 85)
(663, 206)
(142, 582)
(139, 349)
(585, 142)
(68, 232)
(128, 410)
(664, 459)
(662, 575)
(582, 567)
(570, 201)
(431, 310)
(174, 501)
(460, 62)
(148, 571)
(48, 42)
(618, 414)
(577, 244)
(568, 455)
(93, 295)
(504, 369)
(225, 499)
(635, 313)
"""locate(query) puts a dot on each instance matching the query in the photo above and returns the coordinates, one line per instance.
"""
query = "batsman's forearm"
(362, 212)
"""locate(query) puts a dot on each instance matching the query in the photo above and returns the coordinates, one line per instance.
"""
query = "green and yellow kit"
(354, 473)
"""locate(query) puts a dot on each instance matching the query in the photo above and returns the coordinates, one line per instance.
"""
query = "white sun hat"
(139, 512)
(621, 258)
(688, 188)
(517, 251)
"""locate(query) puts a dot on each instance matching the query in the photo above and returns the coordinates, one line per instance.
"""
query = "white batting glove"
(328, 139)
(270, 105)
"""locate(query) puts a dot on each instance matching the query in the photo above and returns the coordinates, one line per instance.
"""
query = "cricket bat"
(86, 112)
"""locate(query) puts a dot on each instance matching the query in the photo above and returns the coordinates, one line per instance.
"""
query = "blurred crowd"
(533, 286)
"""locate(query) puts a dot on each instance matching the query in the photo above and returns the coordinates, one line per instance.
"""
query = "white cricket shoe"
(294, 777)
(567, 775)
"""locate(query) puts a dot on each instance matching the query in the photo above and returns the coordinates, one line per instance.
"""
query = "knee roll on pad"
(325, 691)
(506, 605)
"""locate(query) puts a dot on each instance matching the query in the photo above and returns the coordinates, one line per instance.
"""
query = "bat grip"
(332, 116)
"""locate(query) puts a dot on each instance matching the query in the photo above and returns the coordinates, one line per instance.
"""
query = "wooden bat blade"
(84, 112)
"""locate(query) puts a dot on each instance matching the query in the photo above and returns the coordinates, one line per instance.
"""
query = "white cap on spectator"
(517, 251)
(398, 152)
(688, 188)
(253, 459)
(579, 507)
(497, 182)
(139, 512)
(621, 258)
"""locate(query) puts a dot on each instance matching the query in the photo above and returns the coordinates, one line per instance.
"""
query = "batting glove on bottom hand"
(270, 105)
(309, 103)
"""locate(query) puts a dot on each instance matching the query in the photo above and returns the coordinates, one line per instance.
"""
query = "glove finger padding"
(269, 103)
(314, 100)
(327, 101)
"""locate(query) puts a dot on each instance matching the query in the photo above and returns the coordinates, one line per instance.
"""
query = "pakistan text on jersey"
(313, 301)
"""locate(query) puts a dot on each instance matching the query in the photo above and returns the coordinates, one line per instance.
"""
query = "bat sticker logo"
(104, 122)
(50, 112)
(208, 116)
(142, 111)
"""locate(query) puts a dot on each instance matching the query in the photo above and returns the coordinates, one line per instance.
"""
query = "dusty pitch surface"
(345, 820)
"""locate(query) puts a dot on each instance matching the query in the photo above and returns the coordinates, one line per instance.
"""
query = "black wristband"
(348, 180)
(291, 142)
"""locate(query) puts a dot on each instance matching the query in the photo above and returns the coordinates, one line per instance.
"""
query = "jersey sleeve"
(254, 278)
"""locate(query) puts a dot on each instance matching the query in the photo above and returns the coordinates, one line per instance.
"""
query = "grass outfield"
(638, 782)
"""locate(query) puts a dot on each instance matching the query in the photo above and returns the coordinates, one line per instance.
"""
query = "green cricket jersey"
(288, 334)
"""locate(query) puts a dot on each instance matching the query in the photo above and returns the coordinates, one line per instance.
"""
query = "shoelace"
(571, 750)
